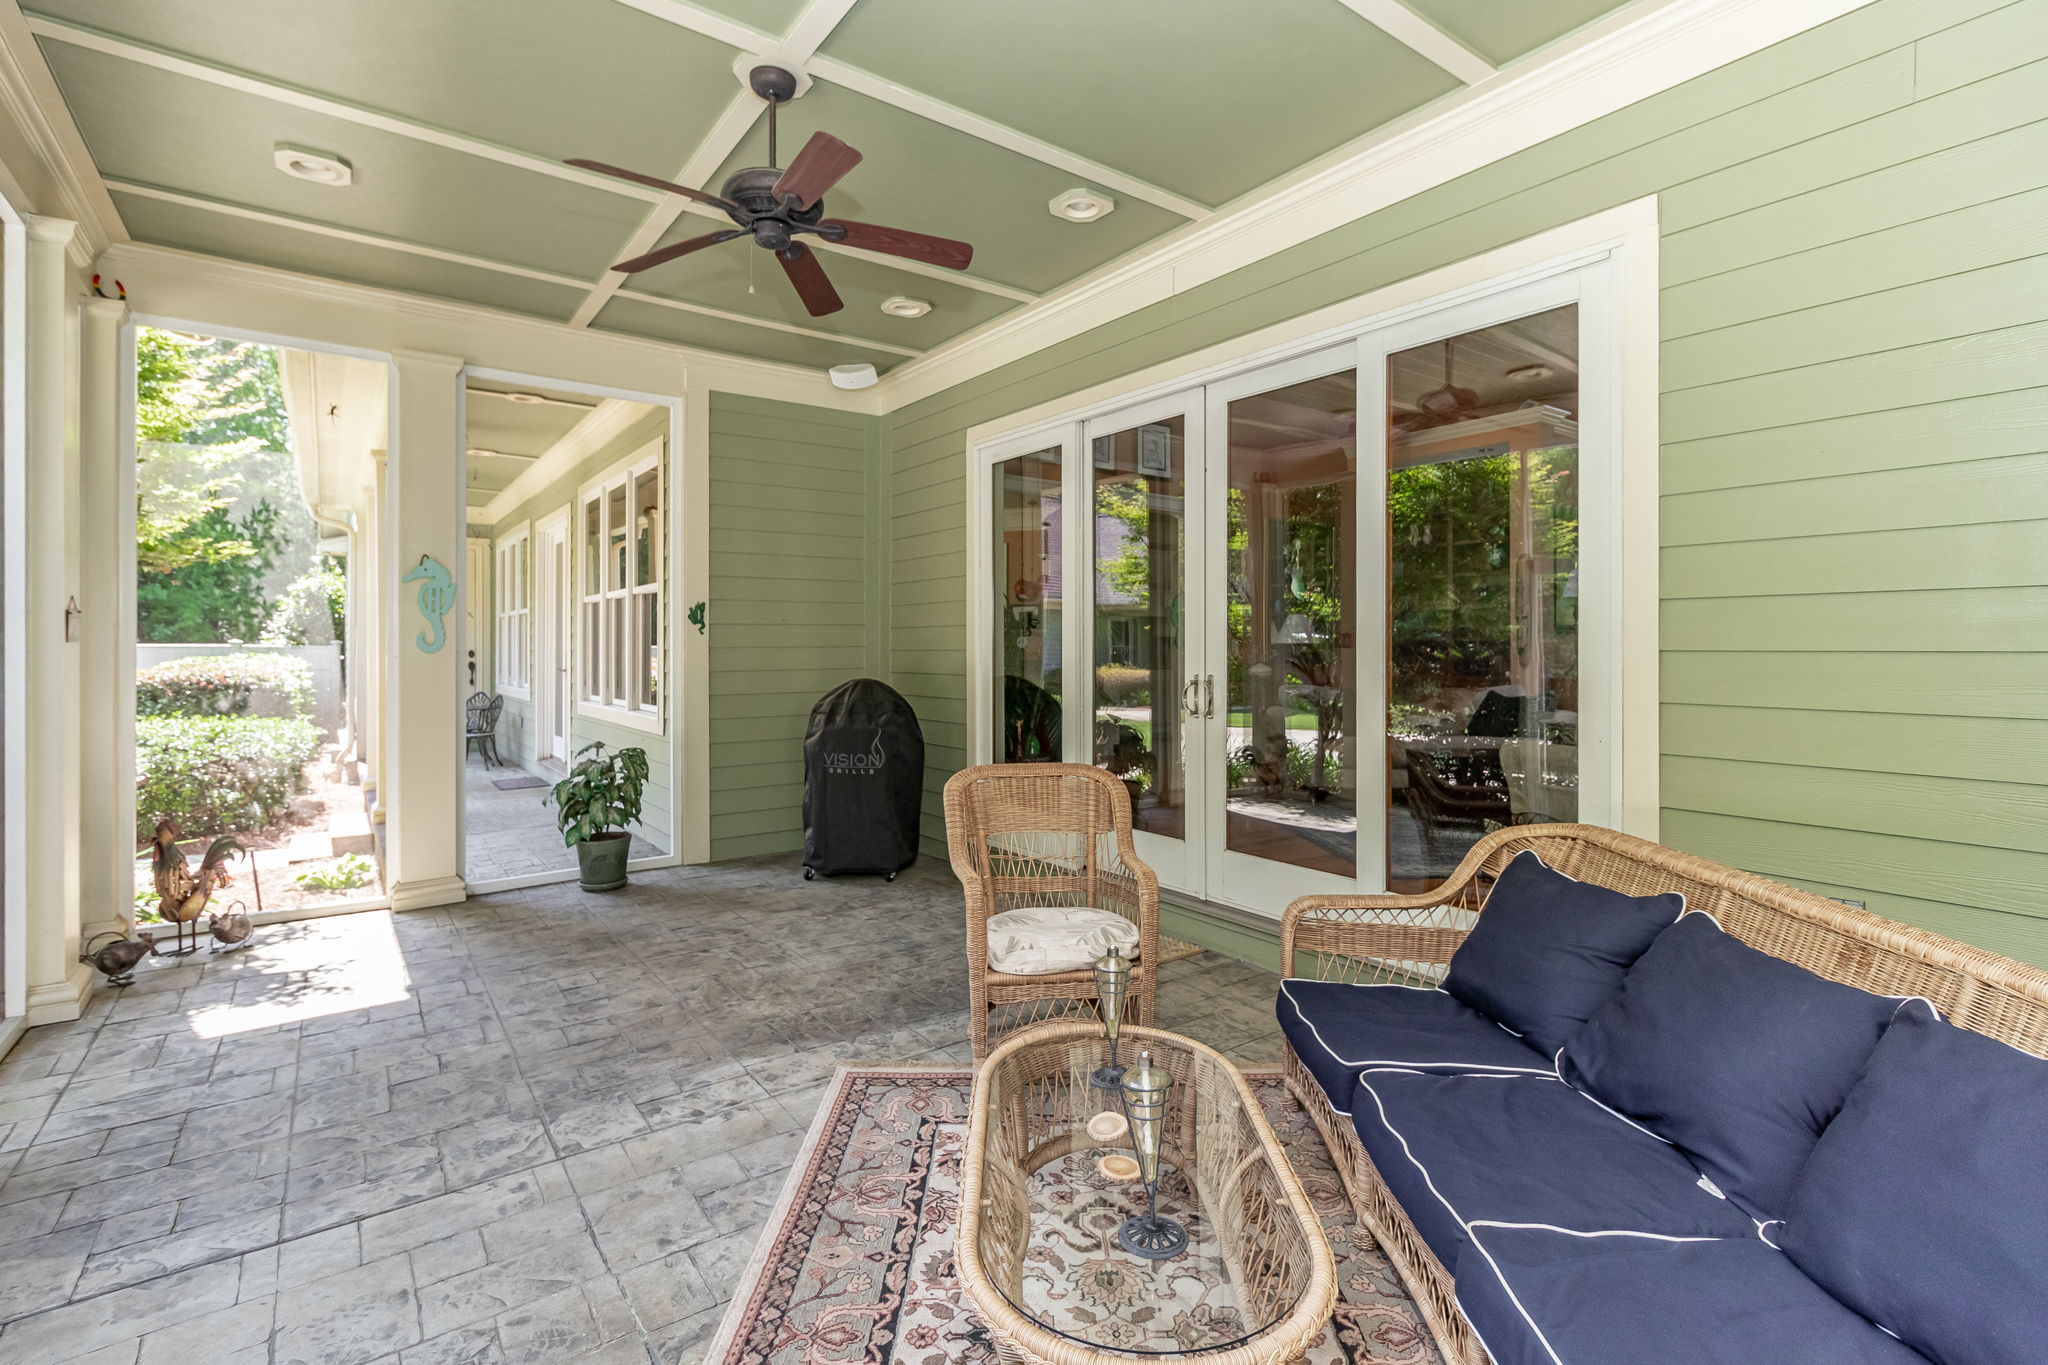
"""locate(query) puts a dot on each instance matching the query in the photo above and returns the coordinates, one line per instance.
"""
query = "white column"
(375, 642)
(423, 518)
(58, 983)
(106, 691)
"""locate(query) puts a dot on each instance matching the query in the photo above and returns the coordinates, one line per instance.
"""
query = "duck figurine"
(229, 929)
(116, 956)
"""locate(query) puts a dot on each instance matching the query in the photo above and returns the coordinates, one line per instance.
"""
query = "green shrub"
(345, 873)
(218, 774)
(226, 685)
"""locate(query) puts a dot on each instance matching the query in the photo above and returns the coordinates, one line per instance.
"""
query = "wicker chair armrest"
(1385, 929)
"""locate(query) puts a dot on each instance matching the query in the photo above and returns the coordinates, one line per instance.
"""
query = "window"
(624, 558)
(512, 645)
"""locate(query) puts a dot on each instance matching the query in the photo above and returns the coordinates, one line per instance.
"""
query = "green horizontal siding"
(792, 612)
(1855, 465)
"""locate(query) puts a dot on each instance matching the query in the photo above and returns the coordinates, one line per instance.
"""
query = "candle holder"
(1148, 1234)
(1112, 986)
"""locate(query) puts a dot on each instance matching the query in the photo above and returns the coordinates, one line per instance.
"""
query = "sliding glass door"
(1323, 654)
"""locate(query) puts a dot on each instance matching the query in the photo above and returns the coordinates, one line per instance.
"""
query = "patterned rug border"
(741, 1306)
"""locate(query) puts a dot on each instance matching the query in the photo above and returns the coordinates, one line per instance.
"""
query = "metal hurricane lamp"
(1112, 985)
(1148, 1234)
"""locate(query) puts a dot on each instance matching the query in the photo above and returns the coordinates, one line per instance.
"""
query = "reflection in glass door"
(1289, 744)
(1482, 591)
(1145, 691)
(1026, 540)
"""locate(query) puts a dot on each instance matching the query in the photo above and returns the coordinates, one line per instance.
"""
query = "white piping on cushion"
(1342, 1060)
(1589, 1232)
(1765, 1237)
(1581, 881)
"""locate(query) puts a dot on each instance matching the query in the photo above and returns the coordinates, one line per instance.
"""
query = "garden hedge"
(218, 774)
(226, 685)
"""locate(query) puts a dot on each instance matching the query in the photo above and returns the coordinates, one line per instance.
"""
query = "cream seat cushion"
(1064, 938)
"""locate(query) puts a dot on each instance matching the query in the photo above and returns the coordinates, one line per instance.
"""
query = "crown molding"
(31, 102)
(309, 311)
(1635, 53)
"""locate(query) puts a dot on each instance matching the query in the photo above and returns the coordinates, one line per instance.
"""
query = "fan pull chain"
(750, 272)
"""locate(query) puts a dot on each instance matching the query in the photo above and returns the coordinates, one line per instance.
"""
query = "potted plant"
(593, 806)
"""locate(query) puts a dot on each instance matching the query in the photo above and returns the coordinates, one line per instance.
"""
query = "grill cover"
(863, 781)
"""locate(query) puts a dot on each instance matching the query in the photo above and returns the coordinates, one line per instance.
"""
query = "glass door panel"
(1482, 589)
(1026, 539)
(1142, 678)
(1290, 753)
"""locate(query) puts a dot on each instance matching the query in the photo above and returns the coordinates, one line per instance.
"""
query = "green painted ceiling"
(1206, 100)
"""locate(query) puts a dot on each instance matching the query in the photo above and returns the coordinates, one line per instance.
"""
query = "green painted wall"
(1855, 468)
(516, 737)
(796, 588)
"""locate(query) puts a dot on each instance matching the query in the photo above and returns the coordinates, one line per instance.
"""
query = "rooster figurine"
(184, 895)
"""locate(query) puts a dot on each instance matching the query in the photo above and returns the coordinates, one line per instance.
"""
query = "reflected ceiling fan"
(776, 205)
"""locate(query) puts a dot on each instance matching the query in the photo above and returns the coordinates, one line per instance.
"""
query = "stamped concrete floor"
(536, 1128)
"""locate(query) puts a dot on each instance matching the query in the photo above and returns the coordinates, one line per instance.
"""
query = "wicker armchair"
(1047, 834)
(1368, 938)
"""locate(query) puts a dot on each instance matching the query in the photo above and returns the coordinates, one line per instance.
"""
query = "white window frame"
(1613, 256)
(512, 612)
(615, 606)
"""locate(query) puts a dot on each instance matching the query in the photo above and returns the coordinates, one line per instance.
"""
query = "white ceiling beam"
(1413, 31)
(142, 54)
(812, 27)
(808, 34)
(744, 104)
(1010, 139)
(320, 229)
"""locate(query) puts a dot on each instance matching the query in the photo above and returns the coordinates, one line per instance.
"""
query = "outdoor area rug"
(518, 784)
(855, 1267)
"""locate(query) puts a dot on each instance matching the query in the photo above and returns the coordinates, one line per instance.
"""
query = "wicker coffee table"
(1038, 1253)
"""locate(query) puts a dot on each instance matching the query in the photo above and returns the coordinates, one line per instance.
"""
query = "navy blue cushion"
(1739, 1057)
(1548, 950)
(1337, 1029)
(1925, 1204)
(1524, 1149)
(1537, 1296)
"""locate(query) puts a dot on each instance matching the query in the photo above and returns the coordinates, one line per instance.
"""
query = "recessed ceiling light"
(1531, 374)
(322, 168)
(852, 376)
(1082, 206)
(524, 398)
(903, 306)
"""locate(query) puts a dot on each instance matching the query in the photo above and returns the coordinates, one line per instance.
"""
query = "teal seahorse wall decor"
(437, 599)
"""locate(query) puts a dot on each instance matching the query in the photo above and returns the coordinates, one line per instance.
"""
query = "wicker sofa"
(1390, 940)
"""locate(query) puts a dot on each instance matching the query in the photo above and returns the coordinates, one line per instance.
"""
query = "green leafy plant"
(346, 873)
(601, 794)
(226, 685)
(217, 774)
(312, 609)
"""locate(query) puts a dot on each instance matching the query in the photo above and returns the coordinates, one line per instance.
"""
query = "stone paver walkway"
(537, 1128)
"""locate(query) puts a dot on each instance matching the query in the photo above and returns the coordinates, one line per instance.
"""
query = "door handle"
(1209, 691)
(1188, 706)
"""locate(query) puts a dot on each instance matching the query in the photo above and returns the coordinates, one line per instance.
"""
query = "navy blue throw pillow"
(1925, 1206)
(1738, 1057)
(1548, 950)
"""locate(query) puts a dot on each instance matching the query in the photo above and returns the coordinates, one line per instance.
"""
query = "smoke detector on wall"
(853, 376)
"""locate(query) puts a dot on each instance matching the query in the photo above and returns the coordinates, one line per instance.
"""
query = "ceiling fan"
(775, 205)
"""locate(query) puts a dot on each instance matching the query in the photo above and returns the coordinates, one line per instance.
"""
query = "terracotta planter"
(602, 859)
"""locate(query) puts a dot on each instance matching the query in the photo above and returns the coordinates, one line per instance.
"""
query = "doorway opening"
(567, 640)
(247, 726)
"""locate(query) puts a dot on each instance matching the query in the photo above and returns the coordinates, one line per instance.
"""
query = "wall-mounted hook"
(72, 611)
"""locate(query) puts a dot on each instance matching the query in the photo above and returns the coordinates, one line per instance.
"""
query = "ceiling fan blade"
(817, 168)
(623, 174)
(801, 265)
(916, 246)
(675, 249)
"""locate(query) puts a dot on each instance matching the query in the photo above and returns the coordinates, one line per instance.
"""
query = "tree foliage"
(212, 547)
